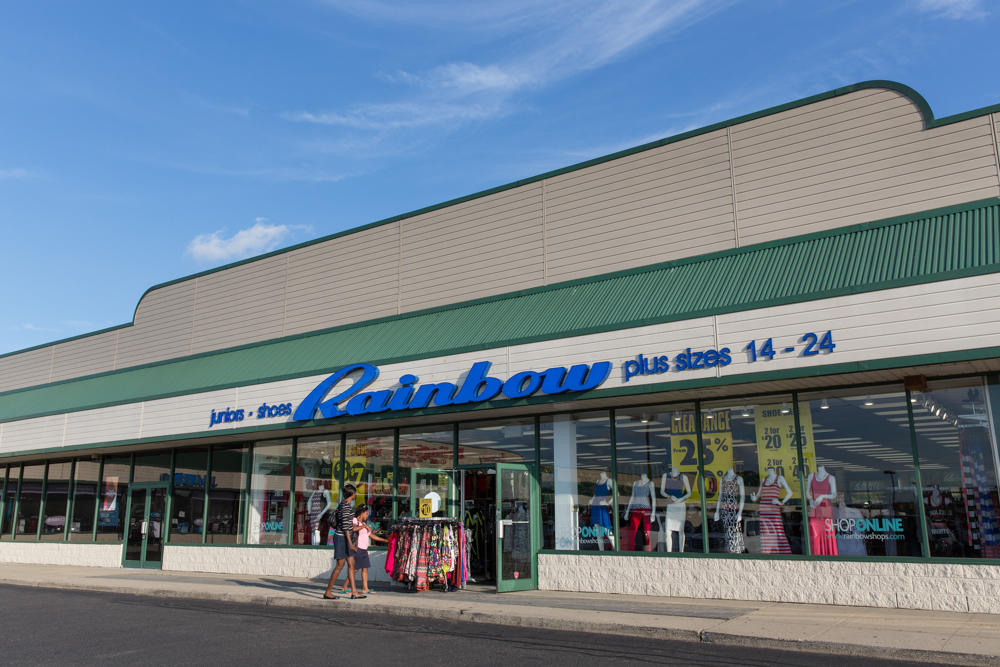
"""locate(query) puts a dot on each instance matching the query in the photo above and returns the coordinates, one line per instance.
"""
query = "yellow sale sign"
(717, 449)
(776, 443)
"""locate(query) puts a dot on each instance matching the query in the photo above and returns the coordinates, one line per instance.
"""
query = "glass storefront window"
(958, 469)
(658, 501)
(225, 496)
(316, 488)
(114, 496)
(81, 528)
(752, 489)
(187, 507)
(507, 441)
(426, 459)
(56, 501)
(30, 502)
(10, 500)
(368, 466)
(152, 467)
(861, 491)
(578, 448)
(269, 493)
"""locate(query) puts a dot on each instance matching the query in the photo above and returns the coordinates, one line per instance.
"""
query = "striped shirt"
(344, 517)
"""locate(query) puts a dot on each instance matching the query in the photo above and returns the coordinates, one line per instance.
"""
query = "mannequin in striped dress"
(774, 492)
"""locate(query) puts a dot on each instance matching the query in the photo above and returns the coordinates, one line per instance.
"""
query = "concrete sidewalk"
(945, 637)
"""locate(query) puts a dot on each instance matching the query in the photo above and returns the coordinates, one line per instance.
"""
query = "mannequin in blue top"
(600, 512)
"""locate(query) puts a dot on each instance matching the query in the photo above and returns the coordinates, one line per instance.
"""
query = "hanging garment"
(822, 535)
(729, 512)
(772, 527)
(390, 554)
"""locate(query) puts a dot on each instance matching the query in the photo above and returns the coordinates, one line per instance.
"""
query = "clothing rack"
(426, 551)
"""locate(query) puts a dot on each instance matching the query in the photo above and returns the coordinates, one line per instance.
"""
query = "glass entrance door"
(147, 508)
(517, 528)
(432, 493)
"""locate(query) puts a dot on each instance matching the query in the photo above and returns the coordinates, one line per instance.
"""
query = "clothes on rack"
(426, 552)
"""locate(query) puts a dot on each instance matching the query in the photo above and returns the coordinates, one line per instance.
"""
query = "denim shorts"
(340, 548)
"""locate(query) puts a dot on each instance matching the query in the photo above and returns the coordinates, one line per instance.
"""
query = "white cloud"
(547, 42)
(28, 326)
(261, 237)
(396, 115)
(953, 9)
(15, 173)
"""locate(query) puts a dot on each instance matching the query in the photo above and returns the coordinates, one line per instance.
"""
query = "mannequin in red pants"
(641, 511)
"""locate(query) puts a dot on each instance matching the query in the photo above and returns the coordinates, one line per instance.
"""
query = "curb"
(512, 619)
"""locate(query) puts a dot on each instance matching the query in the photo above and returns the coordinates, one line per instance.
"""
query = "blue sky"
(142, 142)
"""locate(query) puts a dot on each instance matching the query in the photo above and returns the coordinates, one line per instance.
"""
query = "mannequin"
(600, 513)
(676, 488)
(642, 508)
(730, 505)
(821, 492)
(319, 504)
(772, 529)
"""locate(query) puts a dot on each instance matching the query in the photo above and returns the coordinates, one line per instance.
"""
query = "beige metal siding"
(347, 280)
(479, 248)
(662, 204)
(162, 327)
(851, 159)
(25, 369)
(241, 305)
(84, 356)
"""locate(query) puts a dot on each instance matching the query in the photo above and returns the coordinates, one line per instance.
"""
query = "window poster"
(775, 426)
(108, 513)
(717, 438)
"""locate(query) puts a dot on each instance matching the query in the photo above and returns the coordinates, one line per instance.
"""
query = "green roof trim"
(918, 100)
(947, 243)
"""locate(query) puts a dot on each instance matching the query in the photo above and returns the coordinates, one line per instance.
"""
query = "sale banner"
(717, 450)
(775, 426)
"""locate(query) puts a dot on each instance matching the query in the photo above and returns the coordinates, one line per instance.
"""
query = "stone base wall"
(61, 553)
(269, 561)
(942, 587)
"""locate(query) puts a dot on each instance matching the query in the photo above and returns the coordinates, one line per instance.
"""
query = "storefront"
(756, 361)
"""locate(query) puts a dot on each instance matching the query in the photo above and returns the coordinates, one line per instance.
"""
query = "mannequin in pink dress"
(821, 491)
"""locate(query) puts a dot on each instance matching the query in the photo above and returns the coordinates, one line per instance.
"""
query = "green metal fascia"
(918, 100)
(955, 242)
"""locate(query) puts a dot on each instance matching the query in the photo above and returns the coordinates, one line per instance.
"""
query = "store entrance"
(499, 505)
(147, 506)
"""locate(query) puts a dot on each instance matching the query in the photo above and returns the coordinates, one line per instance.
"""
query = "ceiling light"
(785, 409)
(824, 405)
(644, 418)
(746, 412)
(869, 402)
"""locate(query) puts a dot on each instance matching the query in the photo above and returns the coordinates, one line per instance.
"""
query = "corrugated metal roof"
(962, 240)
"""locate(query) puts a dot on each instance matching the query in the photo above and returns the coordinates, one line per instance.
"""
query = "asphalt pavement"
(620, 621)
(61, 627)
